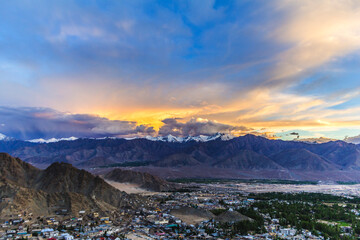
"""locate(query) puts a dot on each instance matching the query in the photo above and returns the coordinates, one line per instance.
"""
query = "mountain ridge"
(245, 153)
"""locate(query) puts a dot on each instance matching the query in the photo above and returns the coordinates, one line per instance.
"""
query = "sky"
(281, 69)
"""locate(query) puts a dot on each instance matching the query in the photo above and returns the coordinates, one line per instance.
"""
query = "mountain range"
(246, 156)
(200, 138)
(168, 138)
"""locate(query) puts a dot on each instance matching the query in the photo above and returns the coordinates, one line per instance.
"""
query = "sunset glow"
(124, 68)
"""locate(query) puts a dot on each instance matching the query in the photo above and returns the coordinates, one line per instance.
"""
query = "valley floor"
(331, 188)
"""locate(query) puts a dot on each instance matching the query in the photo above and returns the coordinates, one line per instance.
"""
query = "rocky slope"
(16, 171)
(231, 216)
(302, 159)
(143, 180)
(60, 186)
(192, 215)
(247, 159)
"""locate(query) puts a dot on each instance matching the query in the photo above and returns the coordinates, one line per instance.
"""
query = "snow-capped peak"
(2, 137)
(5, 138)
(168, 138)
(52, 140)
(204, 138)
(200, 138)
(226, 136)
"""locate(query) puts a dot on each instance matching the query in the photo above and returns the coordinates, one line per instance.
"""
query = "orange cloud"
(318, 32)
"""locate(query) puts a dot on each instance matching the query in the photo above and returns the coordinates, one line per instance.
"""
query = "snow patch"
(52, 140)
(2, 137)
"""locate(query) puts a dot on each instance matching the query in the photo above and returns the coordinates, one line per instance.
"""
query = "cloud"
(316, 140)
(32, 123)
(318, 32)
(354, 139)
(198, 126)
(253, 63)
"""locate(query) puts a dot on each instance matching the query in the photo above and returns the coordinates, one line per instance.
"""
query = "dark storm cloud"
(32, 123)
(197, 126)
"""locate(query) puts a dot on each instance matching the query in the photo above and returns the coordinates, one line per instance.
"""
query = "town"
(201, 211)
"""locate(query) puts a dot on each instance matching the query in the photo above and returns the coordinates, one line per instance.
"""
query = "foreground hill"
(16, 171)
(192, 215)
(59, 187)
(252, 155)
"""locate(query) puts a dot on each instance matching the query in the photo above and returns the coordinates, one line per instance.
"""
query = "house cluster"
(156, 221)
(90, 225)
(275, 231)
